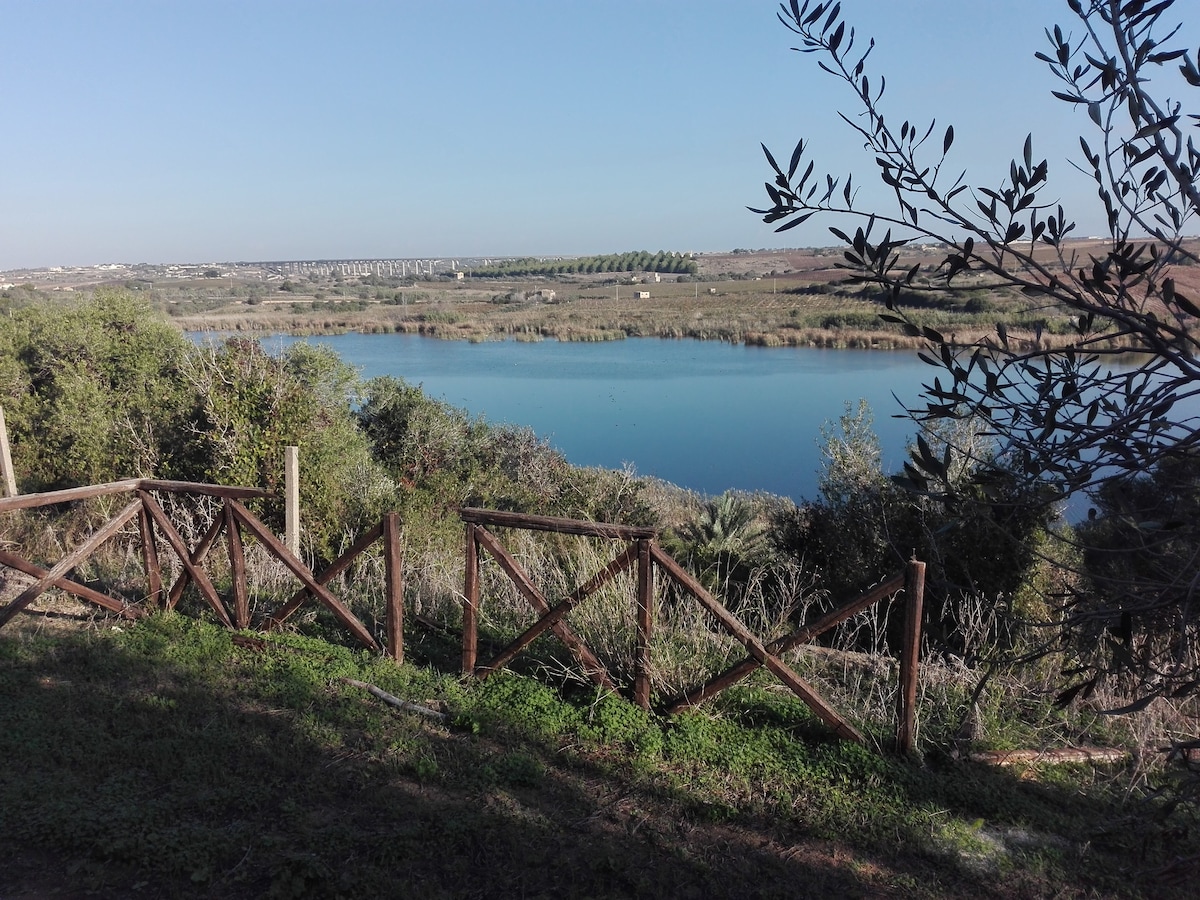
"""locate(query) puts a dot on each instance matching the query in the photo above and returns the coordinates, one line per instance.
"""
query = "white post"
(291, 482)
(6, 465)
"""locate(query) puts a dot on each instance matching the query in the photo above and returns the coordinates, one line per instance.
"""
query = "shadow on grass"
(130, 771)
(164, 761)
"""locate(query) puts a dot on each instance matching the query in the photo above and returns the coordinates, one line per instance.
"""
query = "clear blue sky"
(220, 131)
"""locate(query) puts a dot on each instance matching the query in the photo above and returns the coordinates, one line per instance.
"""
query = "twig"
(397, 702)
(1063, 755)
(433, 625)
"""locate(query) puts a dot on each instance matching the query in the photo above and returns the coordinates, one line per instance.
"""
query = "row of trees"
(635, 261)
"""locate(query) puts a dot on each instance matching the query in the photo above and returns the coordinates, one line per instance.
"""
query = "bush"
(866, 526)
(252, 405)
(94, 393)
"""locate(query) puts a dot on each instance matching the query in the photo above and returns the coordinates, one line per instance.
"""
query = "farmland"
(765, 297)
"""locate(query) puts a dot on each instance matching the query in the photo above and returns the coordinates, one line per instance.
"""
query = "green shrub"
(94, 392)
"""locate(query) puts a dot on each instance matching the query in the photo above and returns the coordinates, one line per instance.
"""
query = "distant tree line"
(633, 261)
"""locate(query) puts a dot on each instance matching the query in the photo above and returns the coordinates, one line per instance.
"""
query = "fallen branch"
(1063, 755)
(434, 626)
(397, 702)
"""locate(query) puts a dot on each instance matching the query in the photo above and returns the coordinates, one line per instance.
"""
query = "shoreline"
(816, 339)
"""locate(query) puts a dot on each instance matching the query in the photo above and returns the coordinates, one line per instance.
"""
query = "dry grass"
(774, 311)
(1013, 708)
(768, 298)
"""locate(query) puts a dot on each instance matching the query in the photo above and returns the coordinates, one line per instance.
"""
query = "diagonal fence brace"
(592, 667)
(70, 561)
(738, 671)
(776, 666)
(301, 571)
(581, 593)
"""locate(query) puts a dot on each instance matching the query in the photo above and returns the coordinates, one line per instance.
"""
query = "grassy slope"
(164, 760)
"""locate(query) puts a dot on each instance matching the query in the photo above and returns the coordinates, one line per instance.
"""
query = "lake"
(704, 415)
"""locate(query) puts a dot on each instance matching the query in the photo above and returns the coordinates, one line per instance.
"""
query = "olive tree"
(1076, 414)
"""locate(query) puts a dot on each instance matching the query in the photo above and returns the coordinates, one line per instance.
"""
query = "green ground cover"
(167, 759)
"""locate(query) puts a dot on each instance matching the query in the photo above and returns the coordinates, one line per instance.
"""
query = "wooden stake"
(237, 565)
(470, 628)
(291, 480)
(910, 652)
(394, 572)
(645, 625)
(154, 586)
(6, 463)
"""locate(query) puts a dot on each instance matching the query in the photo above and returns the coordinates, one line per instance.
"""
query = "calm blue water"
(701, 414)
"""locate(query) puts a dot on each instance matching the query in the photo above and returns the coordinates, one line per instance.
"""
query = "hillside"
(173, 759)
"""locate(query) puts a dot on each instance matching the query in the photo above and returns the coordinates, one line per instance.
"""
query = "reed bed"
(739, 311)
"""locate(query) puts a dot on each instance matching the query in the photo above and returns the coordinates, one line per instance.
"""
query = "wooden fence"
(642, 550)
(232, 519)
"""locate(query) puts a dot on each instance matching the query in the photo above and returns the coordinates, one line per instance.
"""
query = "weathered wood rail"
(642, 550)
(235, 521)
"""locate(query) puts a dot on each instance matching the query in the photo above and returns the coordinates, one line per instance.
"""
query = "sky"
(187, 131)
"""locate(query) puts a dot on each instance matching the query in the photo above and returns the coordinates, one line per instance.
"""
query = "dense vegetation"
(159, 405)
(1081, 416)
(103, 389)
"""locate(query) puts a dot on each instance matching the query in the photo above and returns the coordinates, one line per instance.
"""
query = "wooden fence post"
(910, 653)
(291, 481)
(394, 573)
(154, 585)
(6, 463)
(470, 638)
(645, 624)
(237, 566)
